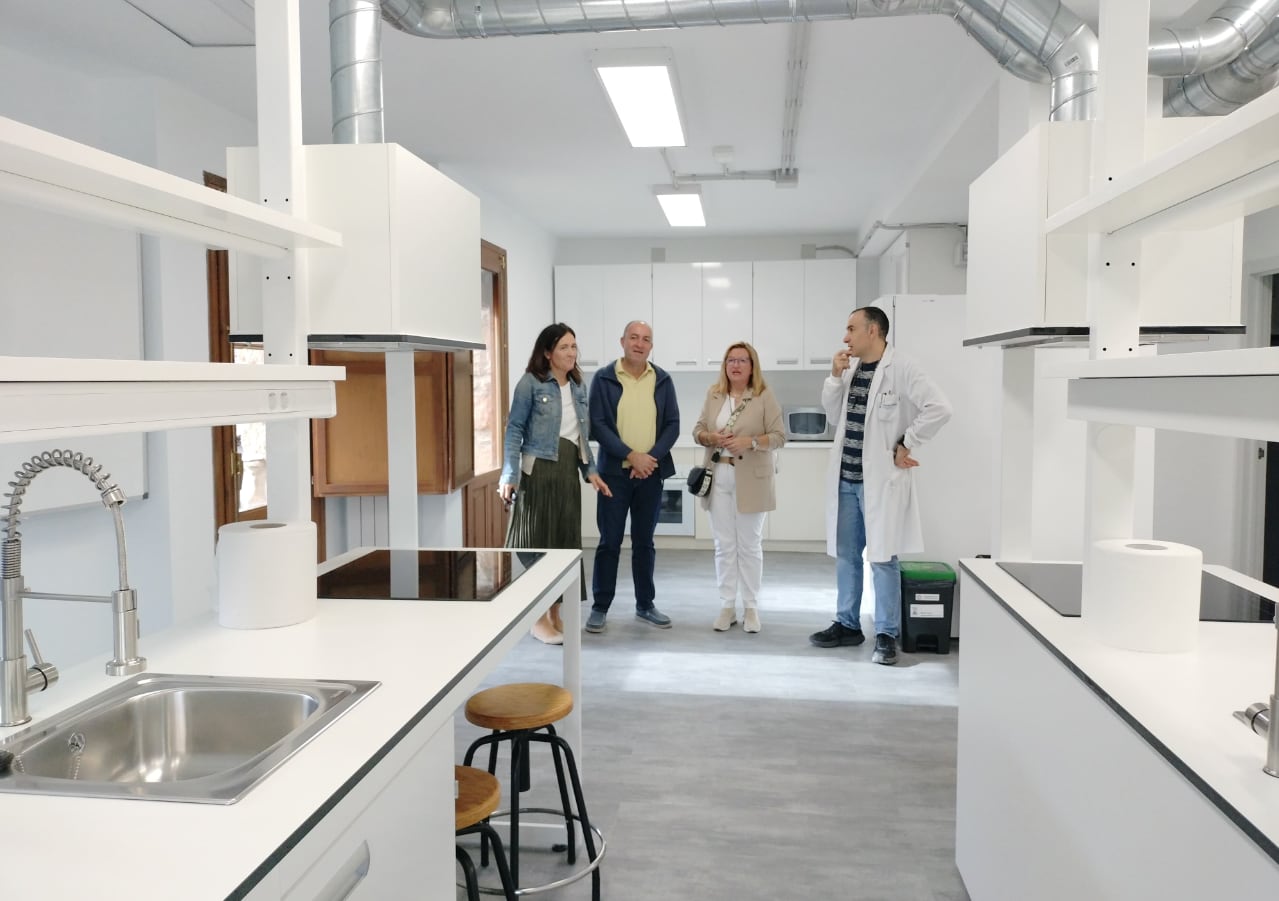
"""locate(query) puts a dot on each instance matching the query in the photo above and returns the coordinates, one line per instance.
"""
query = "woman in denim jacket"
(545, 449)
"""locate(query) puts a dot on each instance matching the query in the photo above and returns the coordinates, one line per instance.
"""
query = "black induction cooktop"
(417, 575)
(1061, 587)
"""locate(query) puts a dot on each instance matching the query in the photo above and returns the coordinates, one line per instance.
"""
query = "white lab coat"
(903, 402)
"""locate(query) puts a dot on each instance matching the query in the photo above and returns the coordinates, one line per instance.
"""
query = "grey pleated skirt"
(548, 506)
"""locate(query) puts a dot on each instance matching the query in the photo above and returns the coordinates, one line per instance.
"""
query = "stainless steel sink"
(207, 739)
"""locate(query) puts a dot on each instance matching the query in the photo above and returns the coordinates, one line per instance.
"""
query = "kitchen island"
(367, 803)
(1085, 771)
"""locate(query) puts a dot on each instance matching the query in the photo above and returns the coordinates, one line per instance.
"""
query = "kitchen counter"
(429, 657)
(1105, 773)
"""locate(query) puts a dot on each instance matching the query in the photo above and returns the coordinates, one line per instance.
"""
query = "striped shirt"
(850, 466)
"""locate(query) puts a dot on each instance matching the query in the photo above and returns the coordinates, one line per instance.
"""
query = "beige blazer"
(762, 416)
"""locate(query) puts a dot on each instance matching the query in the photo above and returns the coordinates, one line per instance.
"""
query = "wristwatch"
(754, 444)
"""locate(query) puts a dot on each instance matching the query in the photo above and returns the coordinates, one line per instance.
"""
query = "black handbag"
(699, 480)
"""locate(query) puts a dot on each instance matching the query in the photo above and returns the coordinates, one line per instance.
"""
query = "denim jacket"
(533, 427)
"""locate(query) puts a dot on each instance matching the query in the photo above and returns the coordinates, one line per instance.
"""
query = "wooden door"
(483, 518)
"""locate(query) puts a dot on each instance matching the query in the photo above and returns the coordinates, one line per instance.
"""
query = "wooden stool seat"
(519, 705)
(478, 794)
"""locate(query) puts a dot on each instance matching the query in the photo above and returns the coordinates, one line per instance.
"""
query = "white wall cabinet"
(677, 316)
(726, 309)
(830, 295)
(778, 300)
(597, 302)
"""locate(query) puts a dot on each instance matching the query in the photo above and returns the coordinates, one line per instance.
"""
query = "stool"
(521, 713)
(477, 796)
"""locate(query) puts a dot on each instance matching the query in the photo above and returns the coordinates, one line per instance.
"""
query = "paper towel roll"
(266, 574)
(1143, 595)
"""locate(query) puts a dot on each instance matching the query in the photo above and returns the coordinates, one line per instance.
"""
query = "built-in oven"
(675, 517)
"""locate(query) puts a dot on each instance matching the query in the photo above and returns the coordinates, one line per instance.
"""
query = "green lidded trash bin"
(928, 600)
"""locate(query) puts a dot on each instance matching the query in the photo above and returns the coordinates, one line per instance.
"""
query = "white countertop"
(63, 847)
(1185, 701)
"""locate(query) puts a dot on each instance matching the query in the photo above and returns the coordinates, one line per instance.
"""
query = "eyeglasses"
(738, 361)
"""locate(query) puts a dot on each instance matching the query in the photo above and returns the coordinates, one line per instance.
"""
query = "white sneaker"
(727, 617)
(752, 620)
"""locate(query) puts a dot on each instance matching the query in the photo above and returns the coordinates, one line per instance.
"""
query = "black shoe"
(837, 635)
(885, 650)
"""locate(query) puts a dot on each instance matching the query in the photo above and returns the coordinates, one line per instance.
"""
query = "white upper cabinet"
(628, 296)
(579, 304)
(830, 295)
(726, 309)
(597, 302)
(677, 316)
(778, 303)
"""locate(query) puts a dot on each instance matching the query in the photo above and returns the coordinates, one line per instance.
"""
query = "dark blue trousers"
(642, 500)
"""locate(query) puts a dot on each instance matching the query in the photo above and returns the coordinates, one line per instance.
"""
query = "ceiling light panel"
(643, 89)
(682, 206)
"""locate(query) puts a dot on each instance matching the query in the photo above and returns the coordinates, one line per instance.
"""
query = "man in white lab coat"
(885, 408)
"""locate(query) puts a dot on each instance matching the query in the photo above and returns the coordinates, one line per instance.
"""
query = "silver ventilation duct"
(355, 70)
(1227, 88)
(1225, 34)
(1025, 38)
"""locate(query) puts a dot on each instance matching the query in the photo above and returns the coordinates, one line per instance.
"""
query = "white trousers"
(739, 549)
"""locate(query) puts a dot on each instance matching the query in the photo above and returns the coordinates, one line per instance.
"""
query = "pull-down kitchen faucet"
(16, 679)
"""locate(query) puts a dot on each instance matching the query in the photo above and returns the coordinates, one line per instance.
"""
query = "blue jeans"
(642, 499)
(850, 543)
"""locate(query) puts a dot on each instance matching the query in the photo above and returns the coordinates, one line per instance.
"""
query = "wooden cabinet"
(349, 453)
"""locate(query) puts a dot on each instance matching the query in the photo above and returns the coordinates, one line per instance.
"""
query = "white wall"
(170, 533)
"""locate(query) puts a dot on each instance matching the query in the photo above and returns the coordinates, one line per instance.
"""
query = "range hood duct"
(1039, 40)
(355, 70)
(1222, 37)
(1229, 87)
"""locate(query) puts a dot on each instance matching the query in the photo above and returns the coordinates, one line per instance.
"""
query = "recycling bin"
(928, 602)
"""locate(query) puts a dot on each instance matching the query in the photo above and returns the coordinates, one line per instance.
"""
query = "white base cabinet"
(390, 837)
(801, 493)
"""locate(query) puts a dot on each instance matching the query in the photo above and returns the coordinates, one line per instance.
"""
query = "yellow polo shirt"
(637, 409)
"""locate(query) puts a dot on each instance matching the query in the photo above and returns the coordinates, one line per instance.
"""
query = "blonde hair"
(757, 383)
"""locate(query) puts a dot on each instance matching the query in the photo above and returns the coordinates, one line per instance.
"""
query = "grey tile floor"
(736, 766)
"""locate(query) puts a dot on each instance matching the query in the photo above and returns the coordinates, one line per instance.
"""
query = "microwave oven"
(807, 424)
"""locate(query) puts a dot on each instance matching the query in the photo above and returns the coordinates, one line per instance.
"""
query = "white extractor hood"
(407, 274)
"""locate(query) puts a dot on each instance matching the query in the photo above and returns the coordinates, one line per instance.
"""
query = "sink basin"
(206, 739)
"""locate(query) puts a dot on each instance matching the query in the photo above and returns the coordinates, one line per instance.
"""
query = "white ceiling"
(898, 116)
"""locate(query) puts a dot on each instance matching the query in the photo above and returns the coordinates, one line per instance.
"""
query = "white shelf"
(1235, 406)
(43, 169)
(1250, 361)
(1225, 170)
(51, 399)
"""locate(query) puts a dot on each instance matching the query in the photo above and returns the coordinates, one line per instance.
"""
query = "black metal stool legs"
(487, 834)
(562, 754)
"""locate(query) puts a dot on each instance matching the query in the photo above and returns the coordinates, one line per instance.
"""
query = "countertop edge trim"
(295, 838)
(1243, 823)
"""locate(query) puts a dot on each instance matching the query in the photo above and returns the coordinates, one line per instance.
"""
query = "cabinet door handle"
(685, 362)
(351, 875)
(823, 360)
(788, 361)
(588, 362)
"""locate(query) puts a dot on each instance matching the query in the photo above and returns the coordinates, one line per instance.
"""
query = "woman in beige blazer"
(740, 427)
